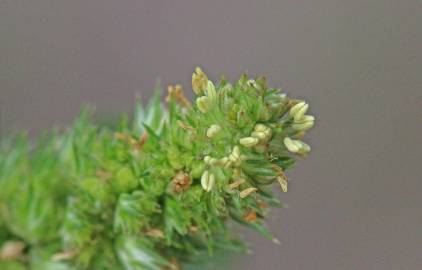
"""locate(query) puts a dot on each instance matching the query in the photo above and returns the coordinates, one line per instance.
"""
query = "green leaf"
(135, 253)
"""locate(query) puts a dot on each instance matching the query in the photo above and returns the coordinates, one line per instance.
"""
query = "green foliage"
(157, 193)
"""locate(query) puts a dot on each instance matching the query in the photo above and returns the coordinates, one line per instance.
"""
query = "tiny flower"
(207, 181)
(199, 81)
(213, 130)
(198, 168)
(296, 146)
(299, 110)
(203, 104)
(249, 141)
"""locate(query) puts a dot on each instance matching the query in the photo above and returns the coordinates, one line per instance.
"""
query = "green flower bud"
(265, 114)
(197, 169)
(125, 180)
(249, 141)
(96, 188)
(173, 156)
(235, 155)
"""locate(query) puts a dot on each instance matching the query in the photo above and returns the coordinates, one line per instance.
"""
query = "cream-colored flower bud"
(235, 158)
(296, 146)
(259, 135)
(305, 148)
(260, 128)
(304, 123)
(299, 110)
(223, 161)
(204, 179)
(203, 104)
(215, 162)
(235, 155)
(207, 181)
(210, 91)
(262, 132)
(249, 141)
(211, 182)
(199, 81)
(292, 145)
(228, 164)
(213, 130)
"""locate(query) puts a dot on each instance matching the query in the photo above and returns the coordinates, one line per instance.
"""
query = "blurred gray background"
(355, 203)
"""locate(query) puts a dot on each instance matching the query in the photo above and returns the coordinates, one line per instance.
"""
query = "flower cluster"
(155, 193)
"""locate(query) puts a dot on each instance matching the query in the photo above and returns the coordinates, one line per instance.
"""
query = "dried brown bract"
(180, 182)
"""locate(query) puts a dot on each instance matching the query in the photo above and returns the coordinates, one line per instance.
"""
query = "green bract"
(157, 193)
